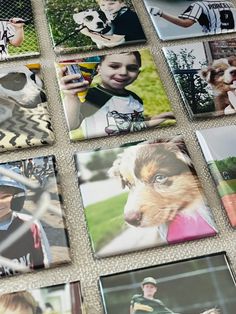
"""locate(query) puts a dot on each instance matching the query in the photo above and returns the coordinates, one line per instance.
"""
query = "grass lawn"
(227, 187)
(105, 220)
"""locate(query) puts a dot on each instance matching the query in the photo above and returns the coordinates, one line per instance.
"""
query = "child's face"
(118, 71)
(5, 203)
(111, 6)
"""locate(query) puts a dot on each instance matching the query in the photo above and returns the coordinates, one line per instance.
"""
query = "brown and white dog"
(164, 190)
(221, 76)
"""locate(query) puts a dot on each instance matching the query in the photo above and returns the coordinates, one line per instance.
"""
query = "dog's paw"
(155, 11)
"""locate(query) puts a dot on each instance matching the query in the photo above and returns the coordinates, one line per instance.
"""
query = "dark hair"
(135, 53)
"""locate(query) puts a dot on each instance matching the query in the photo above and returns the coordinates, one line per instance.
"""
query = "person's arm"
(18, 38)
(156, 120)
(71, 100)
(105, 39)
(182, 22)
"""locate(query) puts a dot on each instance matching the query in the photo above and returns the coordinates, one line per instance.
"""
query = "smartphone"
(74, 69)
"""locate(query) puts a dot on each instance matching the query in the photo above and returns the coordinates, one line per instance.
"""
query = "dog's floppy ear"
(180, 149)
(205, 73)
(114, 171)
(79, 17)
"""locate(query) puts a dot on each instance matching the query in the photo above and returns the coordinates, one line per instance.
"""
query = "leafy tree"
(193, 88)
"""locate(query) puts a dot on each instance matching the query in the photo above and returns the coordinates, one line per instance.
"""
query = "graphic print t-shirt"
(116, 114)
(7, 31)
(213, 16)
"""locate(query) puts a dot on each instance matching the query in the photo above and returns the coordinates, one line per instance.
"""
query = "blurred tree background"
(21, 9)
(60, 16)
(192, 87)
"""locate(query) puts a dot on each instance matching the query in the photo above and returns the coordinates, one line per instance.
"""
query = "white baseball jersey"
(213, 16)
(7, 32)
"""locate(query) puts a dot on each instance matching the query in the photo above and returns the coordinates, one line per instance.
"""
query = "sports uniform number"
(227, 19)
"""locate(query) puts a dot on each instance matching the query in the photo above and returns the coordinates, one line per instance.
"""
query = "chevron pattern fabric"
(26, 128)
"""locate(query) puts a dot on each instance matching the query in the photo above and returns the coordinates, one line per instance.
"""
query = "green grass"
(105, 220)
(227, 187)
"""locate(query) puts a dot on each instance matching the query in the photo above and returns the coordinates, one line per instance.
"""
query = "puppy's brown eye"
(160, 179)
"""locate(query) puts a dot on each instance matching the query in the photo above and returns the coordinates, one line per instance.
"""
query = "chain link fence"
(21, 9)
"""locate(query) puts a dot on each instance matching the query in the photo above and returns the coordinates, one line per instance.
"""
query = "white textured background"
(84, 267)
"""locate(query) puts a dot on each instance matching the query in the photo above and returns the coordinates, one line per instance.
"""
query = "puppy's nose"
(133, 218)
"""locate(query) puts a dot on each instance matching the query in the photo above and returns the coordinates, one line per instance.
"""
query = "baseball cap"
(149, 280)
(7, 181)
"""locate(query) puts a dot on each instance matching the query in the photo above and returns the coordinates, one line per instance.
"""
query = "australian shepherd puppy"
(221, 76)
(164, 190)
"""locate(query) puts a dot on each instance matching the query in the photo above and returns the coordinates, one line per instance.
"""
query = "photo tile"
(219, 149)
(202, 285)
(57, 299)
(32, 228)
(18, 36)
(177, 19)
(115, 94)
(205, 74)
(92, 25)
(149, 195)
(24, 118)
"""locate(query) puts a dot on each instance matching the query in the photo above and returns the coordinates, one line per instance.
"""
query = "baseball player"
(146, 303)
(214, 16)
(31, 249)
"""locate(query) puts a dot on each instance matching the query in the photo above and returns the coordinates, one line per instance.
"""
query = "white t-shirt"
(213, 16)
(7, 31)
(119, 114)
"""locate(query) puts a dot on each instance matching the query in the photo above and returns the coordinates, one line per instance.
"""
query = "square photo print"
(59, 299)
(92, 24)
(24, 115)
(149, 195)
(219, 149)
(32, 228)
(202, 285)
(112, 94)
(177, 19)
(205, 74)
(17, 30)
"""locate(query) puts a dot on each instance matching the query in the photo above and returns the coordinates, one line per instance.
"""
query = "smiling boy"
(109, 108)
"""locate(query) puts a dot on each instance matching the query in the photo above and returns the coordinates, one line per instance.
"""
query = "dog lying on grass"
(164, 190)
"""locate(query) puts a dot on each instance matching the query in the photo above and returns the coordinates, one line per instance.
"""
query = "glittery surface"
(84, 267)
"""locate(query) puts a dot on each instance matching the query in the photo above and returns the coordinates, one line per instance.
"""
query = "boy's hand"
(70, 87)
(156, 11)
(17, 22)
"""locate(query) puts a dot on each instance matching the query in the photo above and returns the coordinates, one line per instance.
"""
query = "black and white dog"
(97, 22)
(19, 87)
